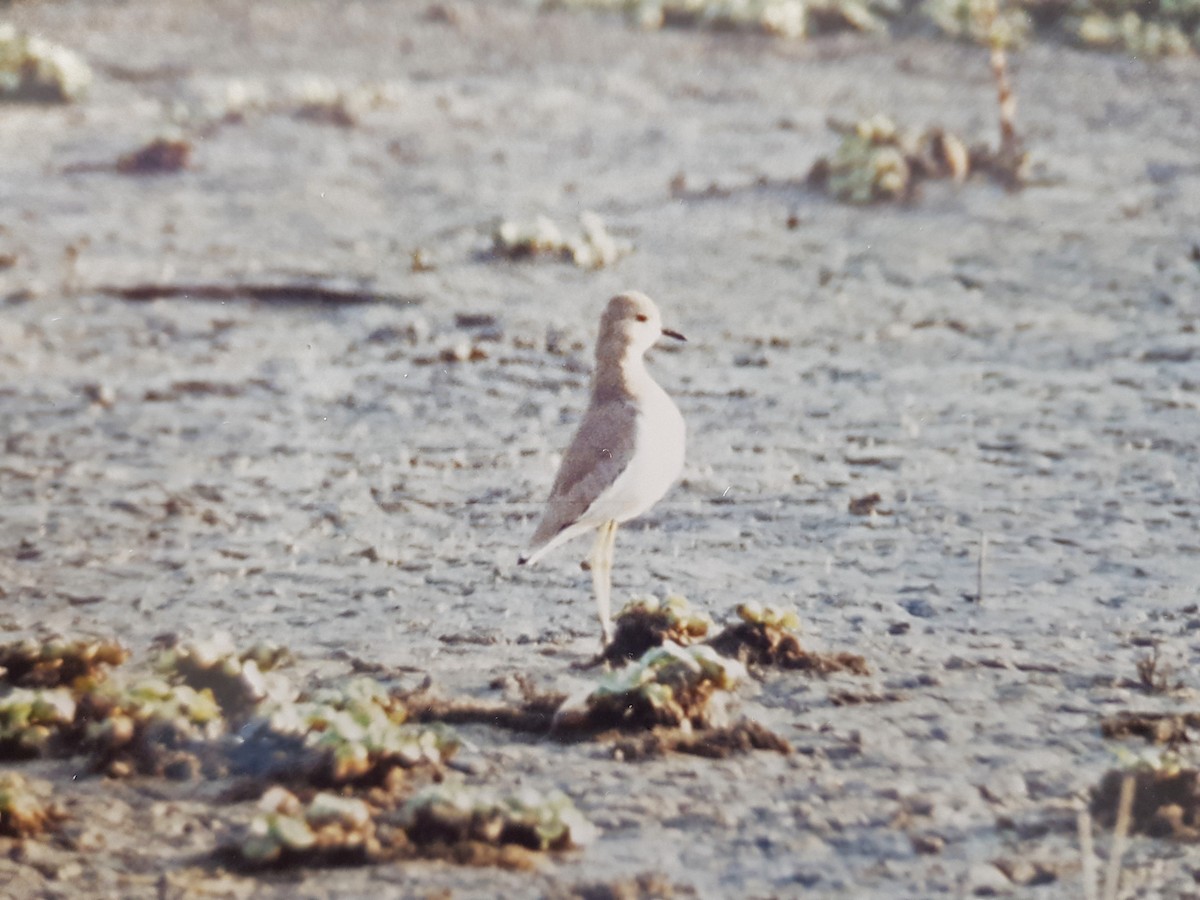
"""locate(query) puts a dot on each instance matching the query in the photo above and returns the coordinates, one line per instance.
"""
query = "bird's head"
(632, 322)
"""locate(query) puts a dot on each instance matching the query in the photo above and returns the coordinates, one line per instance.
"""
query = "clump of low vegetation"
(33, 719)
(213, 709)
(674, 699)
(769, 636)
(1167, 30)
(151, 727)
(591, 247)
(342, 766)
(781, 18)
(877, 161)
(355, 733)
(238, 680)
(322, 101)
(34, 70)
(307, 97)
(349, 772)
(453, 813)
(448, 820)
(1140, 27)
(55, 663)
(985, 22)
(328, 829)
(1146, 28)
(670, 685)
(1154, 674)
(764, 636)
(787, 18)
(1171, 729)
(23, 811)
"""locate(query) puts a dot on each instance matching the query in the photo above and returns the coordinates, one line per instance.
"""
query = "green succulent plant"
(453, 811)
(36, 70)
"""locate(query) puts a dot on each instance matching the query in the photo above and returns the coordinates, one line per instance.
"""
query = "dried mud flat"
(355, 479)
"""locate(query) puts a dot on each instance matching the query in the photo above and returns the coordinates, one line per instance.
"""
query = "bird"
(627, 452)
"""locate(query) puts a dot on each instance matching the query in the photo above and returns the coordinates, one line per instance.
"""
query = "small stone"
(86, 839)
(68, 871)
(928, 844)
(422, 261)
(1018, 871)
(101, 395)
(985, 880)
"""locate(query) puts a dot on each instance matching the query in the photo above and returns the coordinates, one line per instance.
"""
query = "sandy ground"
(1017, 367)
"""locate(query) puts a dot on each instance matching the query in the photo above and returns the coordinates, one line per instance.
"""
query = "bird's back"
(600, 451)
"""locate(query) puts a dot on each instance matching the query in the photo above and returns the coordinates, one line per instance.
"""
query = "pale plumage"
(628, 450)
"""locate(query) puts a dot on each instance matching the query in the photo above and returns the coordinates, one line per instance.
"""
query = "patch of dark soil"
(864, 506)
(160, 156)
(635, 712)
(301, 292)
(433, 826)
(715, 743)
(642, 887)
(857, 698)
(755, 644)
(230, 857)
(648, 623)
(637, 631)
(1166, 802)
(260, 753)
(535, 715)
(476, 853)
(635, 634)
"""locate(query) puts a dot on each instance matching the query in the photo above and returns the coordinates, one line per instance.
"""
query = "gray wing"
(599, 452)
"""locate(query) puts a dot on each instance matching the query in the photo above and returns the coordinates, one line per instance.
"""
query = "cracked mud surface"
(355, 480)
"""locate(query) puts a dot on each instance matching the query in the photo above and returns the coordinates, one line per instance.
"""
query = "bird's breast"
(661, 438)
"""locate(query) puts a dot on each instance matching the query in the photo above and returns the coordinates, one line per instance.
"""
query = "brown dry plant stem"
(1112, 875)
(1009, 161)
(1010, 143)
(1087, 853)
(1154, 675)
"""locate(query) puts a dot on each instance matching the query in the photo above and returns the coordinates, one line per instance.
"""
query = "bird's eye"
(643, 318)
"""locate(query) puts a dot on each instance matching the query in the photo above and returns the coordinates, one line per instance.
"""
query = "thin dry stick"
(1112, 877)
(1010, 158)
(1009, 142)
(1087, 852)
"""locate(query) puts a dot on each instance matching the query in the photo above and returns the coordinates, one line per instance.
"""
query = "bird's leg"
(601, 583)
(609, 546)
(601, 562)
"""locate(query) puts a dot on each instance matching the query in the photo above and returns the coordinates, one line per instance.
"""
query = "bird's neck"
(618, 375)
